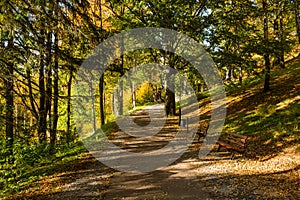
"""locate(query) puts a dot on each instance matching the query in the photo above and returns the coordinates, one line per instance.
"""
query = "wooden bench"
(233, 142)
(202, 131)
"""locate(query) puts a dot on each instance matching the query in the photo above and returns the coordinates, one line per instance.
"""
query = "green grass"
(37, 163)
(272, 119)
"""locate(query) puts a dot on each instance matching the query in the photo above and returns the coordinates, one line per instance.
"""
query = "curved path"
(176, 181)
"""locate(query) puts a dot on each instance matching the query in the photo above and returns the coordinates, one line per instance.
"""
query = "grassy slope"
(271, 119)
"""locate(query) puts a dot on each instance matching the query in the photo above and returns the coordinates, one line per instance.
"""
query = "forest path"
(176, 181)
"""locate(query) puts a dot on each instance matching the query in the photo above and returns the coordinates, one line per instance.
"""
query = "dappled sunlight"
(284, 104)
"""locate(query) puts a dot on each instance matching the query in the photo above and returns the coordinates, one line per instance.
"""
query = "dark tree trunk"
(48, 97)
(266, 54)
(68, 132)
(281, 37)
(9, 98)
(240, 75)
(278, 28)
(55, 94)
(297, 18)
(170, 95)
(42, 126)
(101, 92)
(133, 94)
(101, 81)
(170, 90)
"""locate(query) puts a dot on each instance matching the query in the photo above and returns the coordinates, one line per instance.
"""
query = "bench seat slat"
(235, 142)
(237, 135)
(230, 147)
(232, 141)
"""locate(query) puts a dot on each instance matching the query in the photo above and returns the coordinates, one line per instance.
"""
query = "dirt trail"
(176, 181)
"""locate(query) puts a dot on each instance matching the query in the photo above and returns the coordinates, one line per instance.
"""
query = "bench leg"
(200, 135)
(232, 155)
(219, 147)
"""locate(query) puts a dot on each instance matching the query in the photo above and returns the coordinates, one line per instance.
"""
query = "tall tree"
(297, 18)
(101, 81)
(9, 98)
(266, 42)
(53, 133)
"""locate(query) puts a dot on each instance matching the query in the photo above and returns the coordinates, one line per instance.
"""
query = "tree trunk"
(101, 81)
(240, 75)
(101, 92)
(48, 99)
(68, 132)
(55, 94)
(91, 91)
(9, 98)
(42, 126)
(170, 95)
(281, 37)
(170, 89)
(297, 19)
(120, 91)
(266, 54)
(133, 95)
(228, 74)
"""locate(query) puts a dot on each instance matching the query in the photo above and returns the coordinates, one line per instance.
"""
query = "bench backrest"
(239, 140)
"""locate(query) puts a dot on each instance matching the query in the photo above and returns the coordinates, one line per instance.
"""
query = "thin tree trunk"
(55, 94)
(120, 91)
(228, 74)
(91, 91)
(101, 81)
(240, 75)
(101, 92)
(68, 132)
(42, 110)
(170, 90)
(31, 97)
(266, 54)
(170, 95)
(133, 94)
(9, 97)
(281, 37)
(297, 19)
(48, 99)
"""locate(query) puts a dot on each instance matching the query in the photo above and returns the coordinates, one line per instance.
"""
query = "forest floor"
(269, 170)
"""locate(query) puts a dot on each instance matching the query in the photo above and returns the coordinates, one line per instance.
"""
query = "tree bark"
(9, 98)
(281, 37)
(68, 132)
(101, 81)
(42, 126)
(101, 92)
(48, 97)
(266, 54)
(170, 95)
(297, 19)
(55, 94)
(170, 90)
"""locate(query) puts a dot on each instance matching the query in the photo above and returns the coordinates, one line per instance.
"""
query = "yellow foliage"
(144, 94)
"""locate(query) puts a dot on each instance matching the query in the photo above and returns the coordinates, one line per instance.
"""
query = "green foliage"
(32, 162)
